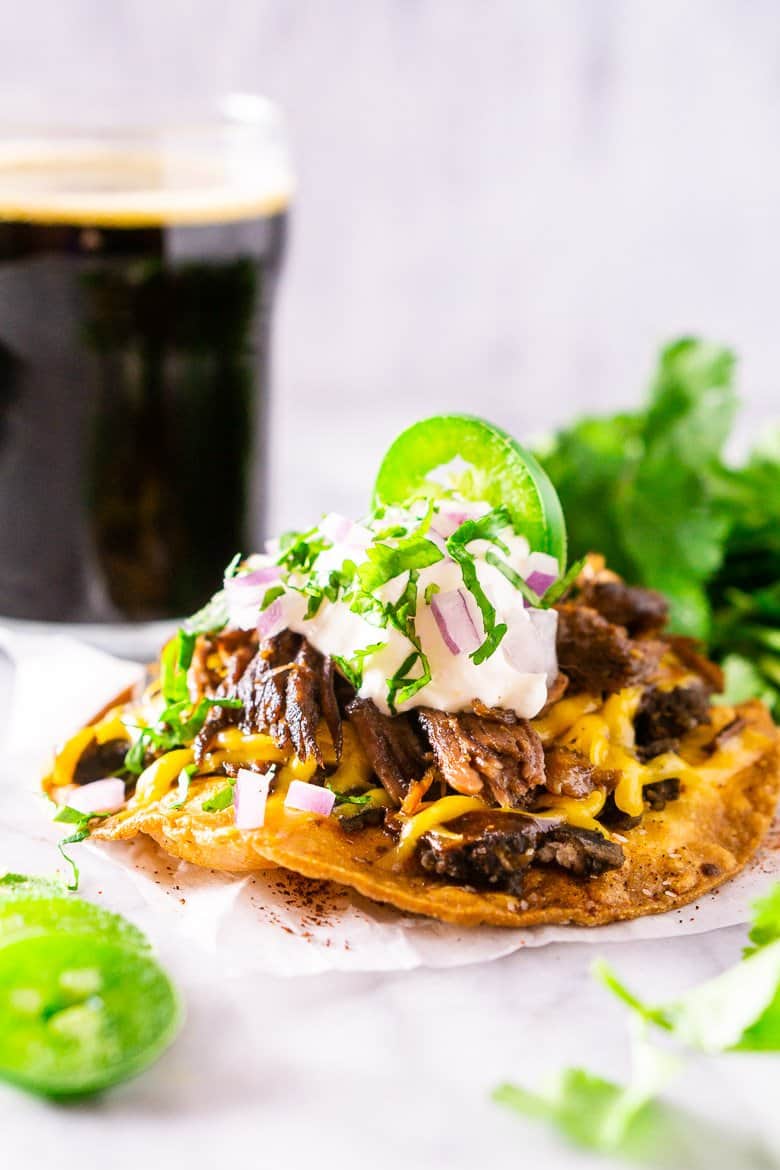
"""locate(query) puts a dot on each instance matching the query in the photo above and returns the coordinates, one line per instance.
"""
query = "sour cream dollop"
(326, 601)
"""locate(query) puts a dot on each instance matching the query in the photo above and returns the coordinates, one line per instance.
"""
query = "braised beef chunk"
(99, 760)
(640, 611)
(664, 716)
(658, 794)
(568, 773)
(302, 702)
(493, 850)
(220, 718)
(472, 753)
(330, 706)
(583, 852)
(284, 690)
(599, 656)
(391, 744)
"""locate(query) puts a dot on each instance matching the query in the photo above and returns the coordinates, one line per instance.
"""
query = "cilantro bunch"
(736, 1011)
(652, 491)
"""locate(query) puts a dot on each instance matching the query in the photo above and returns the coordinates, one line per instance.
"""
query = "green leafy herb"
(220, 800)
(232, 569)
(177, 726)
(71, 816)
(384, 561)
(430, 592)
(356, 798)
(738, 1010)
(352, 668)
(514, 578)
(271, 596)
(652, 492)
(183, 786)
(590, 1111)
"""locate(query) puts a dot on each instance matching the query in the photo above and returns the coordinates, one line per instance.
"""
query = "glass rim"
(101, 120)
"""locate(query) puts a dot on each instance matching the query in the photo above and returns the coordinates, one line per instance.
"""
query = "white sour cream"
(515, 676)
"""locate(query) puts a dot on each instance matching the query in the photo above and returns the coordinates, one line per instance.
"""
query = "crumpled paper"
(273, 922)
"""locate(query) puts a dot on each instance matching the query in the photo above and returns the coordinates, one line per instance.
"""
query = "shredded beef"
(391, 745)
(599, 656)
(494, 850)
(658, 794)
(99, 760)
(569, 773)
(664, 716)
(639, 611)
(302, 703)
(284, 690)
(472, 752)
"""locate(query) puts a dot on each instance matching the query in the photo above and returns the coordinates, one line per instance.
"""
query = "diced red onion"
(529, 643)
(100, 796)
(271, 621)
(310, 798)
(445, 523)
(539, 582)
(250, 794)
(263, 576)
(456, 626)
(540, 573)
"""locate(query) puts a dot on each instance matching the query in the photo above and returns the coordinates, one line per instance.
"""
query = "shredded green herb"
(220, 800)
(72, 816)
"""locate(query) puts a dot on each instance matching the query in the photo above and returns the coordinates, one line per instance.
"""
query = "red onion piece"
(445, 523)
(100, 796)
(539, 582)
(310, 798)
(250, 794)
(256, 577)
(456, 626)
(271, 620)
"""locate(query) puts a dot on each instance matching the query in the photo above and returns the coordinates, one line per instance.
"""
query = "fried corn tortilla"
(695, 843)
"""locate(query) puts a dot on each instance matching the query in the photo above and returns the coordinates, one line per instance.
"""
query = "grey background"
(503, 207)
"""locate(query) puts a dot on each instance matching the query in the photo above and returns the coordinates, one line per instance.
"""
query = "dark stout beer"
(134, 343)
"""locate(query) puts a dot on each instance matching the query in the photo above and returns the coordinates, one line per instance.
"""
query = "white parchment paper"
(272, 922)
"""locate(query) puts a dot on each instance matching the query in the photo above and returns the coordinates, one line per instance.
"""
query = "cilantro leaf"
(352, 668)
(185, 776)
(385, 561)
(590, 1111)
(738, 1009)
(486, 528)
(72, 816)
(220, 800)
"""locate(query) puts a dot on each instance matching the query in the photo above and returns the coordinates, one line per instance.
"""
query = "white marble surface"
(503, 207)
(338, 1070)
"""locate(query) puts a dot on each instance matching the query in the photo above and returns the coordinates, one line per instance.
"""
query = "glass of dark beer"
(138, 267)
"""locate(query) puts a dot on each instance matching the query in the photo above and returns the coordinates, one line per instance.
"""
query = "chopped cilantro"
(72, 816)
(271, 596)
(185, 776)
(388, 561)
(430, 591)
(352, 668)
(220, 800)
